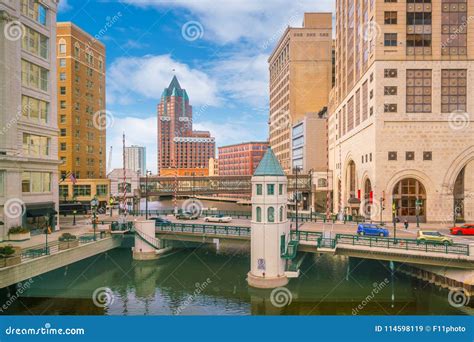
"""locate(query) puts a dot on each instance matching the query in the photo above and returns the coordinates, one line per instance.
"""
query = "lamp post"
(94, 204)
(418, 207)
(394, 213)
(74, 212)
(296, 169)
(147, 173)
(46, 251)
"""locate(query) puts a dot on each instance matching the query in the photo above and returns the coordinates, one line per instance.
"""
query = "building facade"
(135, 159)
(181, 151)
(213, 167)
(241, 159)
(81, 102)
(84, 190)
(400, 125)
(300, 79)
(28, 121)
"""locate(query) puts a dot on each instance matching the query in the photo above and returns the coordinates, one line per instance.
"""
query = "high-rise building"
(81, 102)
(28, 122)
(400, 125)
(241, 159)
(135, 159)
(181, 151)
(300, 79)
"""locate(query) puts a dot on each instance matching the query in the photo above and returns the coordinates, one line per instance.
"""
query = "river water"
(202, 281)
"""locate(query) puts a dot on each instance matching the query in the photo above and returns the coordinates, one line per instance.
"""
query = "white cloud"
(64, 6)
(147, 76)
(138, 131)
(232, 20)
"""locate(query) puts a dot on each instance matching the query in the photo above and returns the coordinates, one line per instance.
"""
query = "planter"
(19, 236)
(68, 244)
(10, 261)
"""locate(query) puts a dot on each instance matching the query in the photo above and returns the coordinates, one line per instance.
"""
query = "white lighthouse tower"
(270, 228)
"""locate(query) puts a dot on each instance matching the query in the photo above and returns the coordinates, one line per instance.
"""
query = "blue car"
(372, 229)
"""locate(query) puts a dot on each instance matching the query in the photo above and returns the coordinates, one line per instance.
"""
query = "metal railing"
(39, 250)
(204, 229)
(404, 244)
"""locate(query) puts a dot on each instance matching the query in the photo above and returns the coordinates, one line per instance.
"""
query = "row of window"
(83, 190)
(36, 182)
(410, 155)
(270, 189)
(270, 214)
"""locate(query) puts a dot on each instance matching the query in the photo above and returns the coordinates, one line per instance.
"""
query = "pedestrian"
(405, 223)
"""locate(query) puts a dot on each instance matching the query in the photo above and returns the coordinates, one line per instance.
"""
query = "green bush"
(18, 230)
(6, 251)
(67, 237)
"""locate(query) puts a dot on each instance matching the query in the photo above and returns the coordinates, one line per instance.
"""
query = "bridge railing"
(405, 244)
(54, 247)
(204, 229)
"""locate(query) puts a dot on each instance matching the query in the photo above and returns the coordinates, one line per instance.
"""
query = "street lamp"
(94, 205)
(418, 208)
(74, 212)
(147, 173)
(296, 169)
(394, 213)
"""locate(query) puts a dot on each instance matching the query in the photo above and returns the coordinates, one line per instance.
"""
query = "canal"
(202, 281)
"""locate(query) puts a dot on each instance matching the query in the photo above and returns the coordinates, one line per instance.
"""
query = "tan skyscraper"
(300, 79)
(81, 102)
(400, 125)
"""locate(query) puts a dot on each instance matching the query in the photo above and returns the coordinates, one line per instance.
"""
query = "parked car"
(160, 220)
(218, 218)
(433, 237)
(185, 215)
(465, 229)
(372, 229)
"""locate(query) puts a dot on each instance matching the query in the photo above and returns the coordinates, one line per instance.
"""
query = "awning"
(40, 209)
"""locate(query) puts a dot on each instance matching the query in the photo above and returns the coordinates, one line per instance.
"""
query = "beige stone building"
(28, 122)
(400, 125)
(300, 79)
(82, 119)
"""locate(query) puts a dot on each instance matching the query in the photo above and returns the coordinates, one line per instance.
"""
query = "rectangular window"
(350, 114)
(390, 73)
(36, 182)
(410, 155)
(35, 43)
(390, 108)
(280, 189)
(62, 62)
(453, 90)
(270, 189)
(82, 190)
(102, 189)
(2, 183)
(392, 155)
(62, 90)
(63, 132)
(365, 100)
(63, 191)
(390, 90)
(36, 145)
(259, 189)
(427, 155)
(357, 108)
(34, 76)
(62, 76)
(454, 24)
(63, 146)
(62, 104)
(62, 48)
(35, 110)
(34, 10)
(390, 39)
(390, 18)
(418, 91)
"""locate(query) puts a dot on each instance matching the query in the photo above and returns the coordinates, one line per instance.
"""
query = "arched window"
(62, 46)
(259, 214)
(409, 197)
(281, 214)
(271, 214)
(322, 183)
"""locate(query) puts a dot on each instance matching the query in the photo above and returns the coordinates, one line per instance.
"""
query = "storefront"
(39, 216)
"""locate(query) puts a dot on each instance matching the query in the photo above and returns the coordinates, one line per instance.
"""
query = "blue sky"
(218, 49)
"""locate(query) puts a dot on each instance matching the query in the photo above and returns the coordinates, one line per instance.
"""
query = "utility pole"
(296, 197)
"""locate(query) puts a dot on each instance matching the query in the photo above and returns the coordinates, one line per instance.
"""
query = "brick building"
(241, 159)
(181, 150)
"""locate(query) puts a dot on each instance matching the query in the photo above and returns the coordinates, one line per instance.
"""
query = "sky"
(218, 49)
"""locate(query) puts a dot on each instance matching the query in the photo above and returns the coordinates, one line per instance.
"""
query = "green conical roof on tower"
(174, 89)
(269, 165)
